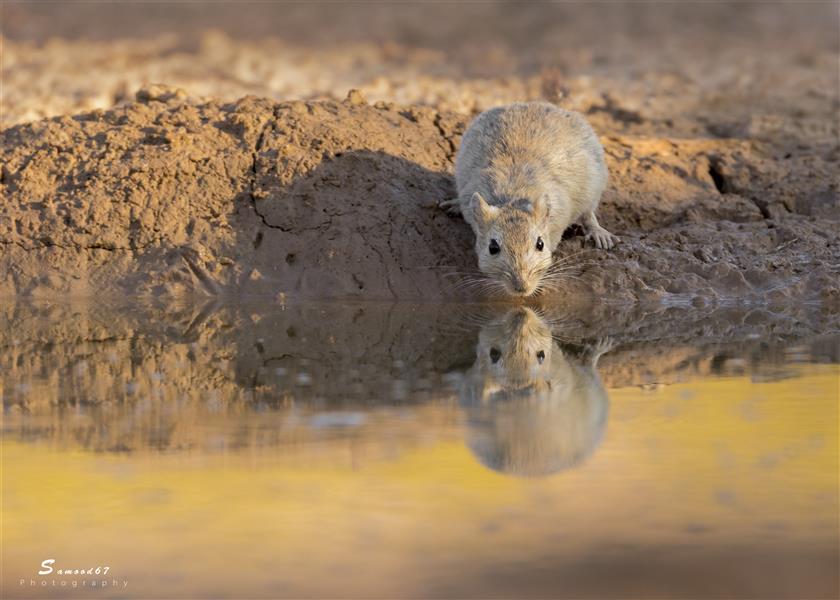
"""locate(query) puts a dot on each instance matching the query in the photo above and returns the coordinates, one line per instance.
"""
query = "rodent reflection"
(533, 406)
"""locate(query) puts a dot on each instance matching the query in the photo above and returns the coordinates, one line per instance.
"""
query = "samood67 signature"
(47, 569)
(90, 577)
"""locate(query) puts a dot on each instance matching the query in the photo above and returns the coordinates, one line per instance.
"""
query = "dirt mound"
(173, 196)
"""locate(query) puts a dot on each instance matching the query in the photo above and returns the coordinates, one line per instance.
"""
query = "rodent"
(524, 173)
(533, 406)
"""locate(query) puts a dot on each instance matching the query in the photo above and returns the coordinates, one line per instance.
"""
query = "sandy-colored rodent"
(533, 406)
(524, 173)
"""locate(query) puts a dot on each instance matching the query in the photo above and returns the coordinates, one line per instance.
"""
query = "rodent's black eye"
(540, 356)
(495, 355)
(494, 247)
(540, 244)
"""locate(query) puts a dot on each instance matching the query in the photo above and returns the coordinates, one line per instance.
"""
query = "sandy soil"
(722, 145)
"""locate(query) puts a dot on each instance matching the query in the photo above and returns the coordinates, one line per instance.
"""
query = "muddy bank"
(173, 196)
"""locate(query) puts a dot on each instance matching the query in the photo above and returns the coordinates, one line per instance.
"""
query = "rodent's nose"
(518, 285)
(519, 319)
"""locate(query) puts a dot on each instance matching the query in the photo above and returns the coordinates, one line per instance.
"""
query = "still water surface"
(418, 451)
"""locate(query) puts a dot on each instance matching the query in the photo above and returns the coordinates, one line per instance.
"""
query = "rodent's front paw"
(603, 239)
(453, 206)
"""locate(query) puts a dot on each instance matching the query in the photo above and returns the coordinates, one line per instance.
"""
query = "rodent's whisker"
(556, 285)
(559, 322)
(460, 285)
(563, 273)
(463, 275)
(559, 338)
(556, 266)
(477, 282)
(479, 319)
(556, 282)
(572, 255)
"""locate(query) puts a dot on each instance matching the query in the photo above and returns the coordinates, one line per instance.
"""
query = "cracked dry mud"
(723, 153)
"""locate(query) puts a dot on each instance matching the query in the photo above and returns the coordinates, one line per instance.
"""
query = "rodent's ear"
(484, 213)
(543, 208)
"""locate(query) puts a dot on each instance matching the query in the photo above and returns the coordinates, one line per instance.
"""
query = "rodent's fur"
(523, 172)
(528, 413)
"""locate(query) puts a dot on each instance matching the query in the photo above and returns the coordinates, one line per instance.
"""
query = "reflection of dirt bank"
(338, 199)
(173, 377)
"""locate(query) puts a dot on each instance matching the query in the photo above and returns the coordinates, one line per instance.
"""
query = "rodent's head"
(516, 351)
(513, 242)
(531, 409)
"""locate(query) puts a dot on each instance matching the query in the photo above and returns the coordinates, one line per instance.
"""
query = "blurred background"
(637, 65)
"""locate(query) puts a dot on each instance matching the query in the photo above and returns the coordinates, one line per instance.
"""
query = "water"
(384, 451)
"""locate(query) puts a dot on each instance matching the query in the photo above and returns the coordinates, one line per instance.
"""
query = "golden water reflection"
(509, 454)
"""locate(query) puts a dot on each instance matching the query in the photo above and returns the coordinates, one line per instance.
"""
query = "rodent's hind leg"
(452, 206)
(603, 239)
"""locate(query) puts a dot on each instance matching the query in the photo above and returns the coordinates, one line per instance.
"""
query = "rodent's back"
(474, 153)
(521, 150)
